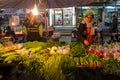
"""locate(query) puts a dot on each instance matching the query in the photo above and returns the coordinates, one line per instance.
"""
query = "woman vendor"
(32, 29)
(84, 31)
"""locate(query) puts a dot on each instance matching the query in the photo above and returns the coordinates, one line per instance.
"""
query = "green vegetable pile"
(35, 58)
(57, 66)
(111, 65)
(77, 49)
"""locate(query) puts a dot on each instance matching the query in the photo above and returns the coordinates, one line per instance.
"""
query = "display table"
(21, 37)
(17, 34)
(49, 31)
(2, 35)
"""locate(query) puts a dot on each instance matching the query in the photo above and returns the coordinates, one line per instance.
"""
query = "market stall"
(53, 60)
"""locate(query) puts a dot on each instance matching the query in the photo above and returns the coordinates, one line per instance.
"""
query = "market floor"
(65, 38)
(68, 38)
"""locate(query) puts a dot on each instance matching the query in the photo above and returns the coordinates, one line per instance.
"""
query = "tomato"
(90, 51)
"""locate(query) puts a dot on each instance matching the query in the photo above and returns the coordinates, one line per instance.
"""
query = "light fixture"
(110, 7)
(85, 7)
(35, 10)
(13, 24)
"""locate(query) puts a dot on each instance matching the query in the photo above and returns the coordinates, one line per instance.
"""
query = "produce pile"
(106, 51)
(59, 60)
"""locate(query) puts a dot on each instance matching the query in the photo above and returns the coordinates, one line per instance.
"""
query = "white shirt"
(100, 26)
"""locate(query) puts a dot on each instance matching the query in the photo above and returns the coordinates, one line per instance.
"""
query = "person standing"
(100, 28)
(10, 33)
(97, 35)
(88, 19)
(32, 28)
(114, 28)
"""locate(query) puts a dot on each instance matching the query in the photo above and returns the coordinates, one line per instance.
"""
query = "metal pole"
(43, 5)
(45, 15)
(116, 17)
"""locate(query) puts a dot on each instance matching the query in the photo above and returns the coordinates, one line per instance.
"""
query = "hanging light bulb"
(35, 10)
(13, 24)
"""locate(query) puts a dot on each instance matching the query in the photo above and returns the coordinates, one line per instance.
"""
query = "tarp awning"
(49, 3)
(104, 0)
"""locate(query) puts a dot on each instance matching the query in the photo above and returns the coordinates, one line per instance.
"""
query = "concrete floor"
(68, 38)
(65, 38)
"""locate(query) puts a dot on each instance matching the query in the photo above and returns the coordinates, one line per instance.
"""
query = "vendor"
(32, 29)
(9, 32)
(83, 32)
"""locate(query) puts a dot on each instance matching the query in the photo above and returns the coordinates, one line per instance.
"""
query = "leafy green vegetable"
(57, 66)
(77, 49)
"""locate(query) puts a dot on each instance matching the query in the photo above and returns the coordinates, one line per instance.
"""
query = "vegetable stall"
(61, 61)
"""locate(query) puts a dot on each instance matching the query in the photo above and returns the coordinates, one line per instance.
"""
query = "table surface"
(17, 34)
(22, 34)
(48, 30)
